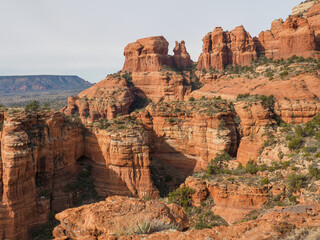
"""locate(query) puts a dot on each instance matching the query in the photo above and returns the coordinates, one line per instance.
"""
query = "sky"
(87, 37)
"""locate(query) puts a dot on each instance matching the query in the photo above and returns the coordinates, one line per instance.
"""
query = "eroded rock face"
(151, 54)
(298, 35)
(222, 48)
(232, 201)
(302, 9)
(106, 99)
(113, 214)
(181, 57)
(295, 36)
(122, 162)
(254, 118)
(188, 135)
(313, 16)
(165, 86)
(38, 154)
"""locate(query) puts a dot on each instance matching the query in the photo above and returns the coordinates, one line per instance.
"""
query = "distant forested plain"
(50, 90)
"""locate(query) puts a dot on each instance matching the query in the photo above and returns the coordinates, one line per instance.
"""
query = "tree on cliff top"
(34, 106)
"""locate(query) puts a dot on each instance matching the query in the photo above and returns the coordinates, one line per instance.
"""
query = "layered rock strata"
(232, 201)
(189, 134)
(121, 162)
(38, 156)
(106, 99)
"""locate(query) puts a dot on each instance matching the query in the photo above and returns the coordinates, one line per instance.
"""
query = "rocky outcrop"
(120, 161)
(303, 8)
(295, 36)
(38, 158)
(277, 223)
(105, 99)
(188, 135)
(313, 16)
(232, 200)
(165, 86)
(115, 216)
(254, 118)
(298, 35)
(181, 57)
(222, 48)
(151, 54)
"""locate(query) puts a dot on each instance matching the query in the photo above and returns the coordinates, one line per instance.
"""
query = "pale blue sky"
(87, 37)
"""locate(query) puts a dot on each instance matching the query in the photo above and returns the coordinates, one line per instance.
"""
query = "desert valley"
(227, 147)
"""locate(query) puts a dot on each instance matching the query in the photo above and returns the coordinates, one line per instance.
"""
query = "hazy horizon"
(87, 39)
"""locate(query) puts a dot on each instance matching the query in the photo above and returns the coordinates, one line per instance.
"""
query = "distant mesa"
(40, 83)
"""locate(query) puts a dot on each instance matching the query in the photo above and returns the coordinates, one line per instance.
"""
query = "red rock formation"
(38, 153)
(313, 16)
(163, 86)
(151, 54)
(105, 99)
(181, 56)
(121, 162)
(232, 201)
(115, 215)
(222, 48)
(254, 118)
(277, 223)
(146, 55)
(196, 132)
(295, 36)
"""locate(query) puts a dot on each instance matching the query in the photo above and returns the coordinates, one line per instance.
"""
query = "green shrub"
(128, 77)
(191, 99)
(34, 106)
(243, 96)
(181, 196)
(314, 172)
(284, 73)
(207, 220)
(251, 167)
(218, 163)
(264, 181)
(295, 182)
(295, 143)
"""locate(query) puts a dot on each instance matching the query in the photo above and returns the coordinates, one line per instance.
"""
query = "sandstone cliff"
(120, 156)
(38, 156)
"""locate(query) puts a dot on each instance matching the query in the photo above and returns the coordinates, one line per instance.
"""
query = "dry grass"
(141, 225)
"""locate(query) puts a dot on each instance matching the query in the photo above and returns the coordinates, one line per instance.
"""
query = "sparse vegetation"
(143, 225)
(181, 196)
(34, 106)
(84, 184)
